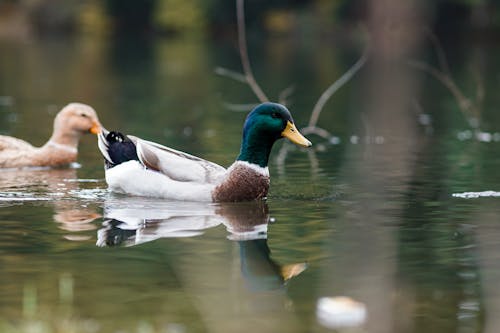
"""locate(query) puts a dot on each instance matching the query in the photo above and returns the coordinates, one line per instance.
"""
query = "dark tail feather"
(116, 148)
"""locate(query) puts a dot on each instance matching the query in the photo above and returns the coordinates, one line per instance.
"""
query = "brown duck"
(74, 120)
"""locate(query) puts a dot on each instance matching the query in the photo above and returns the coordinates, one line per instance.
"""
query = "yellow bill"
(292, 133)
(291, 270)
(96, 128)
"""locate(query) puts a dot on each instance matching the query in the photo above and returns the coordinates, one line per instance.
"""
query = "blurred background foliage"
(216, 17)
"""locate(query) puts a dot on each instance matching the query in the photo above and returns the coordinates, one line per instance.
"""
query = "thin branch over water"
(464, 103)
(332, 89)
(237, 107)
(231, 74)
(285, 94)
(469, 107)
(441, 55)
(245, 61)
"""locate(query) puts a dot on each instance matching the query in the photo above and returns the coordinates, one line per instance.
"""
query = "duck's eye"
(84, 115)
(275, 115)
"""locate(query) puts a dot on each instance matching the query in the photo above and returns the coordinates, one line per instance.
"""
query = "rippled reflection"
(59, 187)
(131, 221)
(35, 184)
(76, 220)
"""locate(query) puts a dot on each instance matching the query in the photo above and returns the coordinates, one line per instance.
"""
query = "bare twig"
(480, 92)
(366, 125)
(313, 160)
(281, 158)
(312, 127)
(441, 55)
(239, 107)
(470, 108)
(231, 74)
(332, 89)
(423, 119)
(463, 102)
(245, 62)
(249, 79)
(316, 130)
(284, 94)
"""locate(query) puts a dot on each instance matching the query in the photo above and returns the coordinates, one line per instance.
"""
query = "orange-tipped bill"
(292, 133)
(96, 128)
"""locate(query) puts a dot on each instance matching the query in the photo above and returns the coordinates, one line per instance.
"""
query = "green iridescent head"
(265, 124)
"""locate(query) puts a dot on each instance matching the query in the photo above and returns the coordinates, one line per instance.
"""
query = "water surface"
(375, 215)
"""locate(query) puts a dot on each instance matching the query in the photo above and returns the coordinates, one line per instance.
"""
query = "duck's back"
(10, 143)
(17, 153)
(177, 165)
(14, 152)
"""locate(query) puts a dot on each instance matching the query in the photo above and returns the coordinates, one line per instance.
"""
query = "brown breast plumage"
(242, 184)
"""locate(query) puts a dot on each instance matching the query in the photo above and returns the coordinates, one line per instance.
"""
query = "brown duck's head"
(77, 118)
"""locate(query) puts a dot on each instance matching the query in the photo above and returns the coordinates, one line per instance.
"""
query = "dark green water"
(372, 217)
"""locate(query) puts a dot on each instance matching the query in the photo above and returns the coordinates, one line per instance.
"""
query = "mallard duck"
(139, 167)
(70, 124)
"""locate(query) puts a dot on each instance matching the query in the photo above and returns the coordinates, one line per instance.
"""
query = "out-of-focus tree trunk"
(389, 142)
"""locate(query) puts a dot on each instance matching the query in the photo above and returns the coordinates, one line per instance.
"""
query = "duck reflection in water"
(76, 220)
(131, 221)
(55, 186)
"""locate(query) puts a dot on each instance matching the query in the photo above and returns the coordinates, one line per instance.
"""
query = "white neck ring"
(60, 146)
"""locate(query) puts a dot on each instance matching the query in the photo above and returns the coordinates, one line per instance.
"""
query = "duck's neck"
(64, 139)
(255, 149)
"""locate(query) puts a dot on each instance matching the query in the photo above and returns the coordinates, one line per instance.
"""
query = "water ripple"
(89, 194)
(473, 195)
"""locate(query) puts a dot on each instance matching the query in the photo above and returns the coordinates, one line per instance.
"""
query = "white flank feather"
(132, 178)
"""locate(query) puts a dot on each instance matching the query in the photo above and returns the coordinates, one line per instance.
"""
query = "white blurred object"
(473, 195)
(341, 311)
(484, 136)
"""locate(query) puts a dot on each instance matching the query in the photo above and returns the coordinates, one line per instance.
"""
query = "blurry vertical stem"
(29, 300)
(66, 288)
(245, 62)
(332, 89)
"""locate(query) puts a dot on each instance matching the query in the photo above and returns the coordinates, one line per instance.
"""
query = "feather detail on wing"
(103, 145)
(8, 143)
(177, 165)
